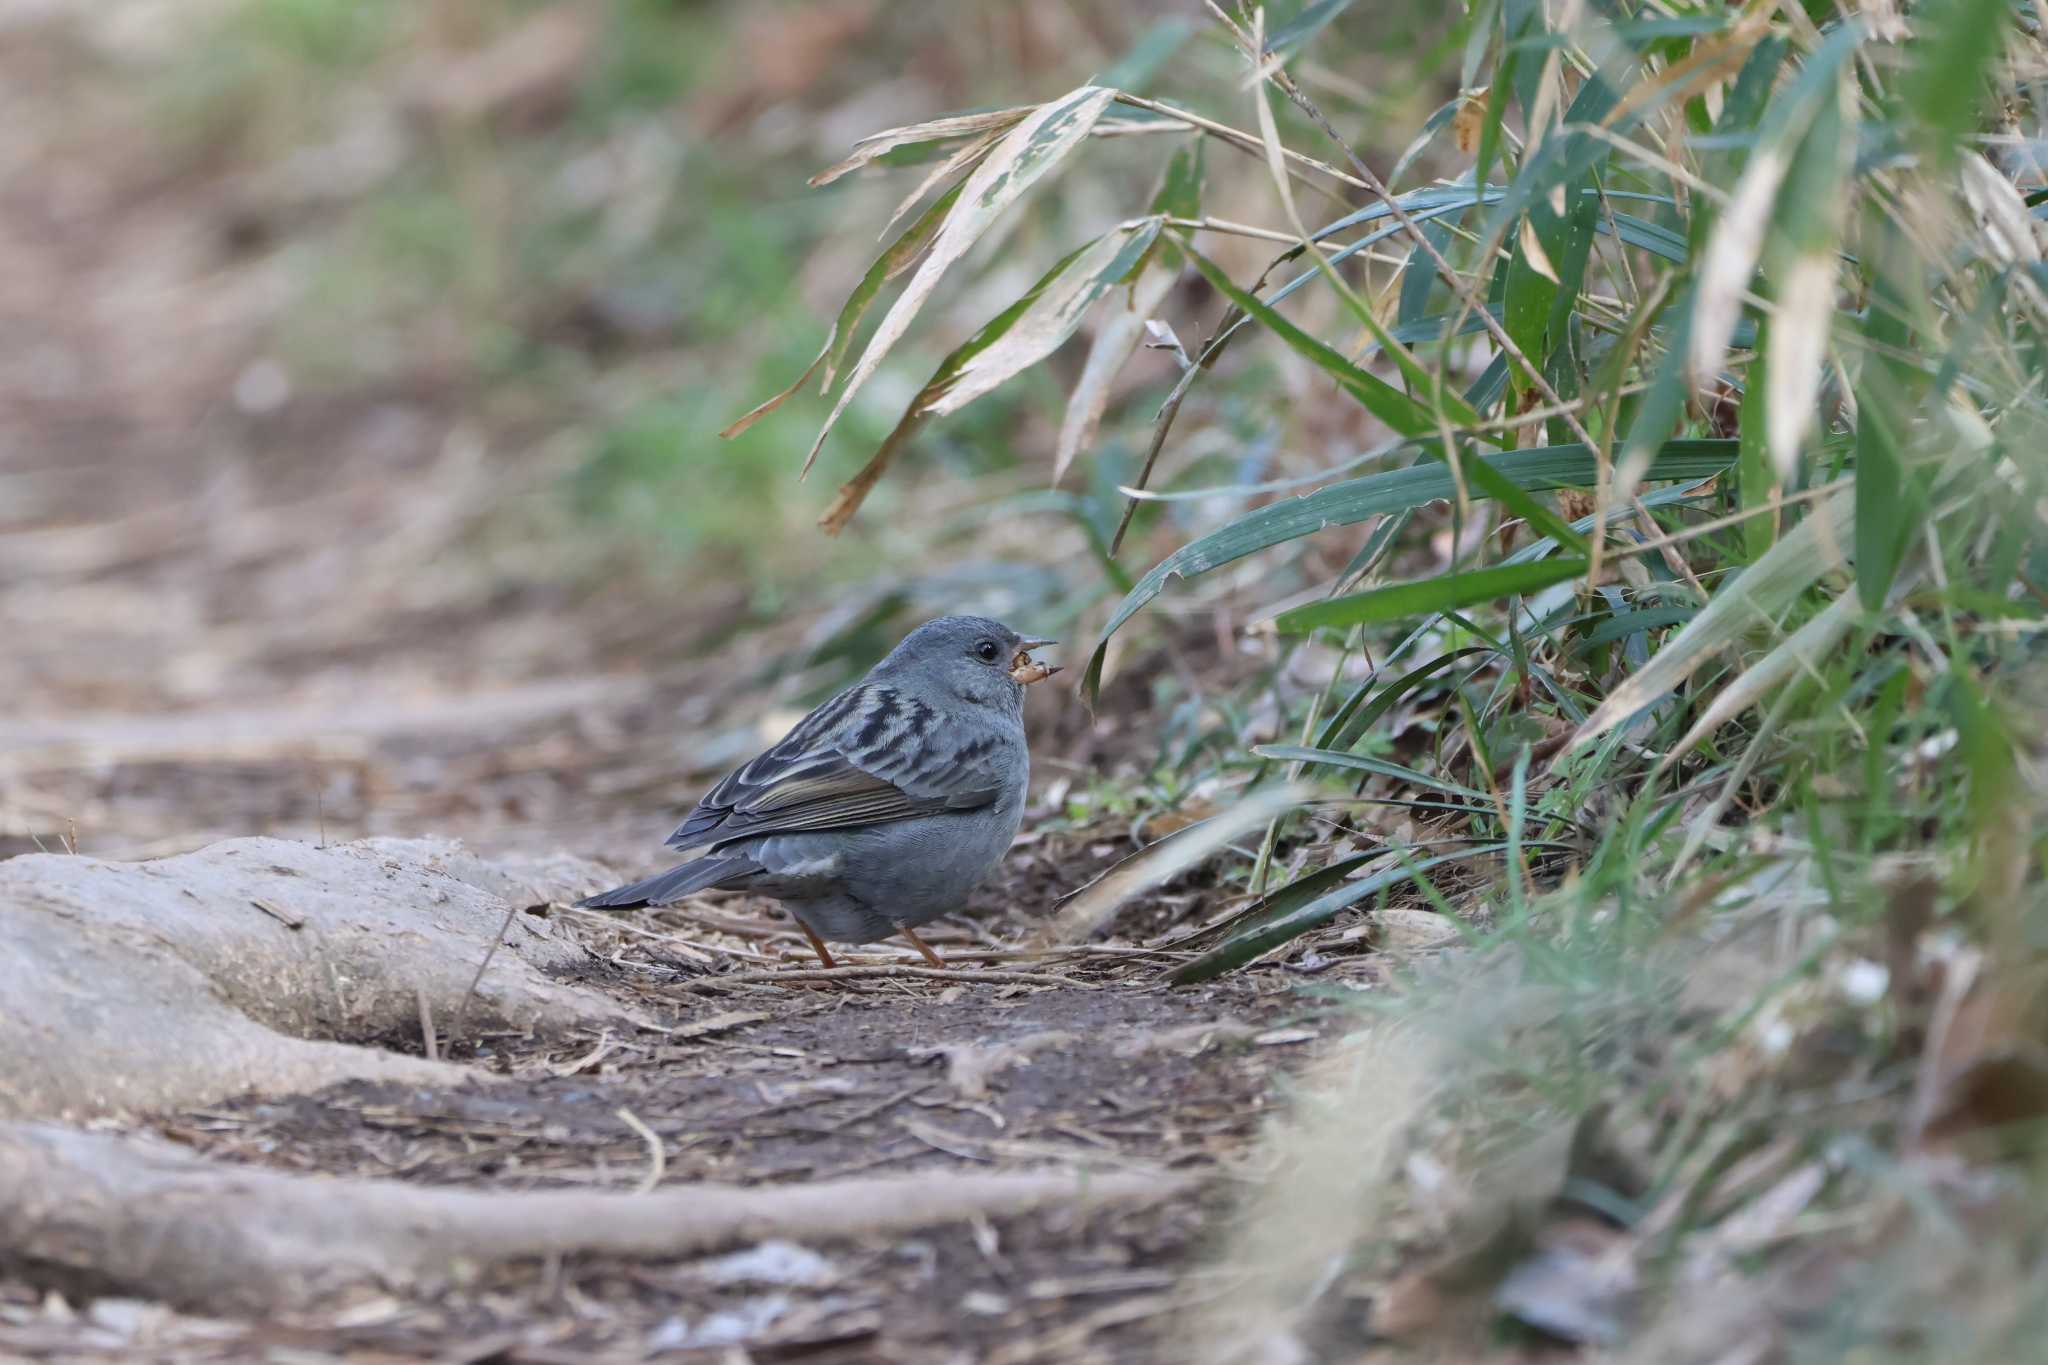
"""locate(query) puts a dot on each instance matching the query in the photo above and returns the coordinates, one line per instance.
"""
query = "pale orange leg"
(817, 945)
(921, 945)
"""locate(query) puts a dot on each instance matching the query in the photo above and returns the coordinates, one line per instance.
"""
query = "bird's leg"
(817, 944)
(920, 945)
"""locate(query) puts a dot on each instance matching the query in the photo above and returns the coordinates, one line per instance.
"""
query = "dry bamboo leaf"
(2009, 232)
(1467, 122)
(1047, 320)
(1116, 340)
(1803, 649)
(1533, 254)
(1037, 144)
(1164, 861)
(1731, 258)
(877, 145)
(1779, 574)
(959, 161)
(1798, 350)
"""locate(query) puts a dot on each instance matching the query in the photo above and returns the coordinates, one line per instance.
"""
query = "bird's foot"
(818, 945)
(920, 945)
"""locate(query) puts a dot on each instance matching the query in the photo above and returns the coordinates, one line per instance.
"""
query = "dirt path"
(793, 1087)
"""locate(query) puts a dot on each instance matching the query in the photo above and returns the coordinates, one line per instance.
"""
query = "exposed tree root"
(253, 964)
(97, 1214)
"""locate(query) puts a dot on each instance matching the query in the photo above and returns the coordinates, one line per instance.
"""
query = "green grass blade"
(1295, 753)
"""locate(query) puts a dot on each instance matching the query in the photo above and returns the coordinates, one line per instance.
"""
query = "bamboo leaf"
(839, 340)
(1756, 597)
(1805, 235)
(1036, 325)
(1334, 758)
(1446, 592)
(1944, 88)
(1802, 650)
(932, 133)
(1349, 724)
(1019, 337)
(1354, 500)
(1034, 146)
(1119, 334)
(1738, 237)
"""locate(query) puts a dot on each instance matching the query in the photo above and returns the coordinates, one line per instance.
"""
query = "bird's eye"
(988, 651)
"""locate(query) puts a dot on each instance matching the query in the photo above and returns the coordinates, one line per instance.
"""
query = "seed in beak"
(1026, 670)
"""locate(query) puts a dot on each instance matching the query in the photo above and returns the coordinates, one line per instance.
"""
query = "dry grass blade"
(1164, 861)
(1802, 650)
(1027, 152)
(1788, 568)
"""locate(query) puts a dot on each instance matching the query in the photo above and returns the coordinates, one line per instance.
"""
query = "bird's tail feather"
(665, 888)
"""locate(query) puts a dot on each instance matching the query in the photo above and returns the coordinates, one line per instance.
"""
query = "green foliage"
(1723, 384)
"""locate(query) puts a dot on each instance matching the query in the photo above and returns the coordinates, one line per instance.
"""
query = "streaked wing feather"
(857, 760)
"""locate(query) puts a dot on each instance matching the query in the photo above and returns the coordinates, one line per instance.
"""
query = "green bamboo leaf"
(1135, 69)
(1295, 894)
(1354, 500)
(1492, 484)
(1548, 264)
(1287, 39)
(1651, 237)
(1756, 485)
(1627, 623)
(1442, 593)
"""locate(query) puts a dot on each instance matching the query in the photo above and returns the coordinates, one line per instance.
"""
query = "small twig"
(462, 1013)
(282, 916)
(1236, 137)
(866, 971)
(427, 1026)
(657, 1159)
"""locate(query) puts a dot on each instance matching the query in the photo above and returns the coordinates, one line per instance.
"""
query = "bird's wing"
(870, 755)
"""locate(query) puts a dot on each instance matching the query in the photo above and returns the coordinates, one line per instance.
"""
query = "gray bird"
(885, 806)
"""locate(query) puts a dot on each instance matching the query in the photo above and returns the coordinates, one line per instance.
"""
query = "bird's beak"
(1026, 670)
